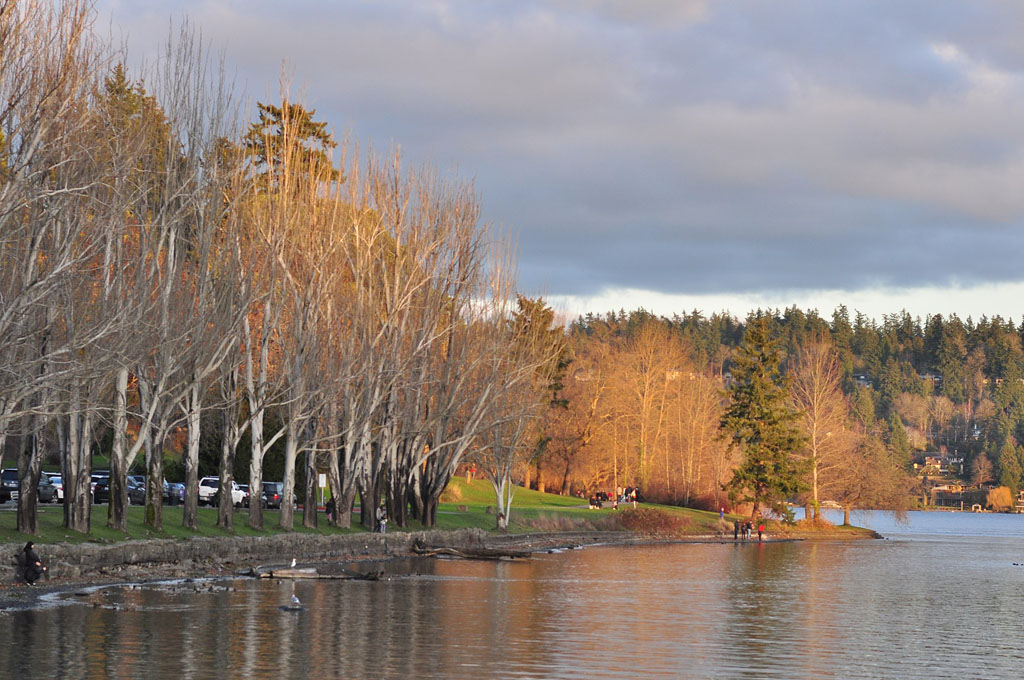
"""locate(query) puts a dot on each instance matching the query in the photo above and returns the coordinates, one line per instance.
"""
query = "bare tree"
(817, 394)
(54, 237)
(179, 213)
(525, 348)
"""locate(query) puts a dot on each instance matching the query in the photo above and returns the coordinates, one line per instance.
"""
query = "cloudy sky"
(684, 154)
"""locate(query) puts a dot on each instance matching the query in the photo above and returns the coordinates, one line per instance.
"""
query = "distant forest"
(643, 396)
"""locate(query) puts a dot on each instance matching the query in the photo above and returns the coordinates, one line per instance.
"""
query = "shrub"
(654, 522)
(1000, 498)
(561, 522)
(816, 524)
(451, 494)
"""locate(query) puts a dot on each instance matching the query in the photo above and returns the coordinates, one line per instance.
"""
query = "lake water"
(941, 597)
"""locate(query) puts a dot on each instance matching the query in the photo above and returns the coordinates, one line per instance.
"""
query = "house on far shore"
(935, 463)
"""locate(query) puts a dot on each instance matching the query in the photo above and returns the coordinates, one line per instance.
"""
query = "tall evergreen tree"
(761, 423)
(287, 136)
(899, 441)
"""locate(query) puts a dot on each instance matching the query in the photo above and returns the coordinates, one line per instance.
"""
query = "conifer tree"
(288, 135)
(899, 442)
(760, 422)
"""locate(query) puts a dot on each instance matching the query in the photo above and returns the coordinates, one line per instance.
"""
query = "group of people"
(745, 529)
(381, 516)
(627, 495)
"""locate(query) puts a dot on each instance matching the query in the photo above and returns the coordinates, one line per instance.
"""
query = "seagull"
(295, 601)
(293, 563)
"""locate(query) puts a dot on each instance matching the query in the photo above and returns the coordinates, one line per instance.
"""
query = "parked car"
(58, 484)
(174, 493)
(95, 477)
(274, 492)
(208, 488)
(101, 490)
(245, 490)
(136, 491)
(8, 485)
(46, 490)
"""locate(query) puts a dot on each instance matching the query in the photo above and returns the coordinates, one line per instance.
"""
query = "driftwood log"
(471, 553)
(312, 573)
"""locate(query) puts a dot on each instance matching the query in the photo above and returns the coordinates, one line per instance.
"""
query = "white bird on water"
(295, 601)
(293, 563)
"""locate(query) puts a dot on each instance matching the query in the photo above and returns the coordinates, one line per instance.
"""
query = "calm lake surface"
(941, 597)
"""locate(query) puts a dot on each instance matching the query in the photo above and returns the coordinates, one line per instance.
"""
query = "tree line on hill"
(647, 402)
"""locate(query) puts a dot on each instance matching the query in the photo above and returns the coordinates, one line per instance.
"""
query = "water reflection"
(864, 609)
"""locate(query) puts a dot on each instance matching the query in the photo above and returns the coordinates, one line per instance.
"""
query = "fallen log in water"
(471, 553)
(312, 573)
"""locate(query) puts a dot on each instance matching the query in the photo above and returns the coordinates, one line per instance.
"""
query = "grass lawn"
(468, 503)
(464, 505)
(52, 516)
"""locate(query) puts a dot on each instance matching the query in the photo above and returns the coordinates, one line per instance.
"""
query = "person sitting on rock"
(33, 565)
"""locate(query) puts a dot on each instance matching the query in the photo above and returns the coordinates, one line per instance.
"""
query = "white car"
(208, 487)
(58, 483)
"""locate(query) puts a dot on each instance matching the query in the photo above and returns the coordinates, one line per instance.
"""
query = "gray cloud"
(684, 147)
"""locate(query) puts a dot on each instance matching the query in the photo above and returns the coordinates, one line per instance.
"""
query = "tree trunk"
(309, 508)
(117, 514)
(229, 442)
(193, 406)
(343, 505)
(291, 449)
(154, 481)
(77, 466)
(256, 470)
(430, 513)
(846, 515)
(369, 500)
(503, 492)
(30, 461)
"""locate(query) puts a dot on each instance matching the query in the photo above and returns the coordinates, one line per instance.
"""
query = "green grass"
(465, 505)
(468, 504)
(52, 516)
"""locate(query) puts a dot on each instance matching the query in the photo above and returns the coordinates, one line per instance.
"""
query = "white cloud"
(1005, 300)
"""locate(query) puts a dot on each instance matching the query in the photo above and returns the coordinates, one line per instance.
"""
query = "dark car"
(46, 489)
(101, 490)
(8, 484)
(174, 493)
(96, 477)
(136, 491)
(273, 492)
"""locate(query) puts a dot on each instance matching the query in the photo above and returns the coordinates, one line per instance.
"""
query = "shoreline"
(76, 566)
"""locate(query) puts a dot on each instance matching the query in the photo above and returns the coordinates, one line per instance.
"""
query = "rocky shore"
(76, 565)
(73, 566)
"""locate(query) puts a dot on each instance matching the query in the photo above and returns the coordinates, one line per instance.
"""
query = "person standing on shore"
(735, 529)
(760, 532)
(382, 519)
